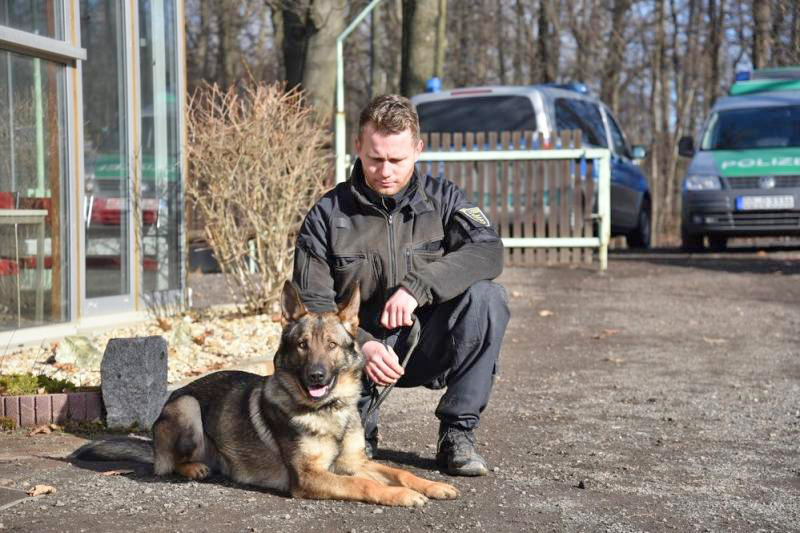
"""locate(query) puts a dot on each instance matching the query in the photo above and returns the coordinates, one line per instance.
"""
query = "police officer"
(417, 246)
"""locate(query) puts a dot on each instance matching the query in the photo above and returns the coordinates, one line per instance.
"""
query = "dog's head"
(318, 358)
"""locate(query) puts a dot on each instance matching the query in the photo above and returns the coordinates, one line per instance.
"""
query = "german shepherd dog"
(297, 431)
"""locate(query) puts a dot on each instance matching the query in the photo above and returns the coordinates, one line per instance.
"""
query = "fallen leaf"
(545, 312)
(709, 340)
(120, 472)
(605, 333)
(40, 430)
(516, 294)
(615, 360)
(163, 323)
(38, 490)
(69, 368)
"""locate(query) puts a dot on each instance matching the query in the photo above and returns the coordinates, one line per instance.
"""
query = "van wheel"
(640, 237)
(691, 242)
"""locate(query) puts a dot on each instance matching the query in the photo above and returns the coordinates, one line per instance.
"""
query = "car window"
(483, 113)
(581, 115)
(758, 127)
(617, 138)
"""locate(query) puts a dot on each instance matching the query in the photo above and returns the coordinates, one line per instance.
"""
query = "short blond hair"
(390, 113)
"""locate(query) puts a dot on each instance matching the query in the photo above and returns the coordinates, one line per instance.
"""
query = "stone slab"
(134, 381)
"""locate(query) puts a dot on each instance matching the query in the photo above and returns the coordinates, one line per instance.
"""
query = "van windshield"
(483, 113)
(758, 127)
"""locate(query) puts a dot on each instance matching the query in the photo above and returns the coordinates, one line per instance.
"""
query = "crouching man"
(416, 245)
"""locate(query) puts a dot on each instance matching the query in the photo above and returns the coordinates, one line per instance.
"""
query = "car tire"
(691, 242)
(640, 237)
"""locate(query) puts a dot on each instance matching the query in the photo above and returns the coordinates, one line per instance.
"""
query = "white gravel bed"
(198, 343)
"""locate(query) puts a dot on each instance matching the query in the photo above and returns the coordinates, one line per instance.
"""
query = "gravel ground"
(663, 395)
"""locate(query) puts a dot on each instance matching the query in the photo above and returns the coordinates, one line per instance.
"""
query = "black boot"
(456, 453)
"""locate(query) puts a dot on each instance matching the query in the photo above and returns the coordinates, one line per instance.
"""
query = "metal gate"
(544, 202)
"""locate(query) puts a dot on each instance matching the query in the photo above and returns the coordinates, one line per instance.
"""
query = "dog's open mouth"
(318, 392)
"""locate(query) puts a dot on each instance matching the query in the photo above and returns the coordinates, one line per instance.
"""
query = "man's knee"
(490, 295)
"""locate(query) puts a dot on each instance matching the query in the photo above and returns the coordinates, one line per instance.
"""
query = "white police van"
(744, 177)
(546, 109)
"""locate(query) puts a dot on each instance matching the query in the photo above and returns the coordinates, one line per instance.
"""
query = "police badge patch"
(475, 215)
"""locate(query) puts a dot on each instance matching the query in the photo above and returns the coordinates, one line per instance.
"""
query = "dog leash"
(377, 399)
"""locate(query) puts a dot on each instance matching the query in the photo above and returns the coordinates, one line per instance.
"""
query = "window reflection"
(160, 149)
(33, 270)
(107, 180)
(42, 17)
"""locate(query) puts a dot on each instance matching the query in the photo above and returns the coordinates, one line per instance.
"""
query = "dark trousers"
(458, 348)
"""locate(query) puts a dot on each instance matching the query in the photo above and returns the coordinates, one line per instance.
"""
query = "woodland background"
(659, 64)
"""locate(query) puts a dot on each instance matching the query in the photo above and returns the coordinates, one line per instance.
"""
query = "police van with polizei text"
(744, 177)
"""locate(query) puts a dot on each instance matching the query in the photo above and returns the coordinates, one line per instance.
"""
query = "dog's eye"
(331, 345)
(303, 345)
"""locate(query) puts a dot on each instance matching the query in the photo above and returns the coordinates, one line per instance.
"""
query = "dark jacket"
(428, 239)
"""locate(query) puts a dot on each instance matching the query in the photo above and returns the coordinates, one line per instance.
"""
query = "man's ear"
(292, 307)
(418, 150)
(348, 310)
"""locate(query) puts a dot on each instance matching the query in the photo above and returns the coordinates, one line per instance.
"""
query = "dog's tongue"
(318, 392)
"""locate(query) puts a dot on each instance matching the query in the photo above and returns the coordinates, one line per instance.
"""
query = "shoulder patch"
(476, 215)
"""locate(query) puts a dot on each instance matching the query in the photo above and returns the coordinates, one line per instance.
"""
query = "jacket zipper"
(392, 254)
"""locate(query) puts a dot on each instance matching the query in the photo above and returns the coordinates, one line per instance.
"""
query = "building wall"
(91, 164)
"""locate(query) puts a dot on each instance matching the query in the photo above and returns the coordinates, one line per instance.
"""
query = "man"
(417, 247)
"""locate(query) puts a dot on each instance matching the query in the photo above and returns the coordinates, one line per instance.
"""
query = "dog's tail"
(116, 449)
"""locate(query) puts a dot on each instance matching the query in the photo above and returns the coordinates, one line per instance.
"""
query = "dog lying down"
(297, 430)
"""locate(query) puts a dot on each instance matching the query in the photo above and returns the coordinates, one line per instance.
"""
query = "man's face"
(388, 160)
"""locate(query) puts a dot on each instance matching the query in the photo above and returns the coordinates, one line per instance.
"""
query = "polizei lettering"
(762, 162)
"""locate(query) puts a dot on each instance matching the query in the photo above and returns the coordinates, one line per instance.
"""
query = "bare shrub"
(258, 158)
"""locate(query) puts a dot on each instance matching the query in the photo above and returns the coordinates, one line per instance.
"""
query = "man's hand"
(398, 309)
(382, 366)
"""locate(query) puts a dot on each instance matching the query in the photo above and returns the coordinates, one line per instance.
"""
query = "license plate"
(750, 203)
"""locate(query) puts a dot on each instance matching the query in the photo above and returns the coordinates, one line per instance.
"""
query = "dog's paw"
(441, 491)
(406, 498)
(194, 471)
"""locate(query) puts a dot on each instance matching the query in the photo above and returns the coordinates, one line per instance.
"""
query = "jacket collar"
(413, 195)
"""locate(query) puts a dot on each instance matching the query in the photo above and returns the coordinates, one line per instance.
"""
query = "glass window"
(620, 146)
(485, 113)
(160, 148)
(574, 114)
(42, 17)
(760, 127)
(33, 192)
(105, 150)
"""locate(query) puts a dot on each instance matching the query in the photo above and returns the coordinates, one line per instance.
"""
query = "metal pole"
(604, 208)
(341, 163)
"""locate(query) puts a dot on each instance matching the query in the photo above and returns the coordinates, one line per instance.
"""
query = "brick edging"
(35, 410)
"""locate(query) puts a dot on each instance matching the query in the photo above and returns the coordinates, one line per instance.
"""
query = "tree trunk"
(616, 49)
(319, 72)
(441, 39)
(762, 40)
(419, 44)
(548, 42)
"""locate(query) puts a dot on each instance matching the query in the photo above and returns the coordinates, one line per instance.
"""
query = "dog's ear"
(292, 307)
(348, 309)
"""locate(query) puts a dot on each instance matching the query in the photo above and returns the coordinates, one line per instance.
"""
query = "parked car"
(547, 109)
(744, 178)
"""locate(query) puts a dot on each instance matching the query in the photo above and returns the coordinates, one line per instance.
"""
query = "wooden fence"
(550, 199)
